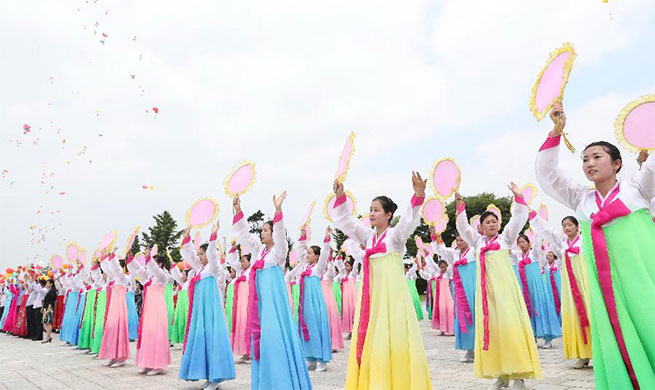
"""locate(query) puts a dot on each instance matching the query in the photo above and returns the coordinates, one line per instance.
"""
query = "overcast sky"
(282, 84)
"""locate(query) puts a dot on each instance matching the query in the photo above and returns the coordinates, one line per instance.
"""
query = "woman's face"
(245, 263)
(349, 267)
(569, 228)
(312, 257)
(202, 255)
(443, 267)
(377, 216)
(523, 244)
(598, 166)
(48, 284)
(490, 226)
(550, 257)
(461, 244)
(233, 273)
(267, 234)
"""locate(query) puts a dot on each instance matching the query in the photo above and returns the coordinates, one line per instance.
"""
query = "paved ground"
(32, 365)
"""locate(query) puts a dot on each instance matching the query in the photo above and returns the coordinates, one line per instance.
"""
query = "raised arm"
(518, 219)
(462, 223)
(137, 269)
(187, 251)
(345, 221)
(176, 274)
(645, 178)
(280, 244)
(544, 231)
(213, 258)
(552, 179)
(409, 221)
(250, 243)
(232, 258)
(321, 265)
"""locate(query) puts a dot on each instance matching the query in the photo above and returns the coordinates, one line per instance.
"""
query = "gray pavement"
(28, 365)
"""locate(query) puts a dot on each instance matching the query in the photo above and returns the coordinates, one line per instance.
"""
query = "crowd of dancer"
(500, 294)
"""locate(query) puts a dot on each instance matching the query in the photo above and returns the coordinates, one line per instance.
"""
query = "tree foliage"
(165, 234)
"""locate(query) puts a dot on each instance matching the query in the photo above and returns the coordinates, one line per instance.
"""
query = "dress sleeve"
(137, 270)
(188, 253)
(645, 178)
(348, 224)
(321, 265)
(213, 258)
(250, 243)
(516, 222)
(408, 222)
(280, 244)
(176, 274)
(465, 229)
(553, 180)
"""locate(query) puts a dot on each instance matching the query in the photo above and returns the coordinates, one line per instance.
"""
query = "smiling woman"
(618, 235)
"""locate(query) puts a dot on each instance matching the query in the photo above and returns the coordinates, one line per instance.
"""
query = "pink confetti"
(62, 193)
(145, 186)
(26, 128)
(156, 110)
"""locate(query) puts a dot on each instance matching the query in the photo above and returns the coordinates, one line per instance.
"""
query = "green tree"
(165, 234)
(256, 222)
(339, 237)
(136, 246)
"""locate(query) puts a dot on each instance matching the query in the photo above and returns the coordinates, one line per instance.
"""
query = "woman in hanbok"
(505, 347)
(115, 345)
(88, 317)
(278, 360)
(239, 312)
(327, 281)
(101, 310)
(182, 304)
(387, 348)
(132, 315)
(540, 305)
(206, 353)
(410, 279)
(464, 269)
(59, 307)
(618, 235)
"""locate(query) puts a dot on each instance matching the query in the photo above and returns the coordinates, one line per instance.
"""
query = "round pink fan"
(72, 252)
(550, 84)
(293, 257)
(475, 222)
(365, 221)
(154, 251)
(107, 240)
(82, 256)
(201, 213)
(433, 210)
(531, 236)
(635, 125)
(328, 210)
(529, 193)
(440, 226)
(241, 179)
(56, 261)
(344, 159)
(141, 258)
(97, 254)
(543, 212)
(130, 240)
(446, 177)
(197, 241)
(307, 218)
(308, 230)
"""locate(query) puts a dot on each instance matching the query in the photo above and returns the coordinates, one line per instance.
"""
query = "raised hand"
(459, 199)
(558, 116)
(187, 231)
(215, 228)
(337, 187)
(515, 189)
(278, 200)
(419, 184)
(642, 157)
(236, 204)
(328, 231)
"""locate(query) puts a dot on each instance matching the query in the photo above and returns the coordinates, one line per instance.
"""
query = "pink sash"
(575, 290)
(524, 281)
(253, 327)
(301, 311)
(491, 246)
(553, 285)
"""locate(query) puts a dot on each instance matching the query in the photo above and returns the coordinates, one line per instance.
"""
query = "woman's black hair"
(316, 249)
(613, 151)
(523, 236)
(204, 247)
(554, 255)
(42, 282)
(442, 261)
(247, 256)
(270, 224)
(53, 286)
(487, 214)
(387, 205)
(571, 219)
(160, 259)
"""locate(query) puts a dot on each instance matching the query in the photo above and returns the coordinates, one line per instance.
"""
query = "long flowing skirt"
(574, 345)
(69, 316)
(99, 321)
(77, 320)
(7, 309)
(153, 348)
(512, 352)
(132, 316)
(429, 303)
(295, 293)
(631, 248)
(58, 314)
(239, 319)
(393, 356)
(229, 304)
(315, 313)
(548, 286)
(282, 360)
(336, 291)
(84, 341)
(333, 315)
(465, 339)
(207, 353)
(413, 292)
(349, 299)
(444, 320)
(13, 313)
(116, 334)
(544, 319)
(20, 326)
(170, 307)
(181, 316)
